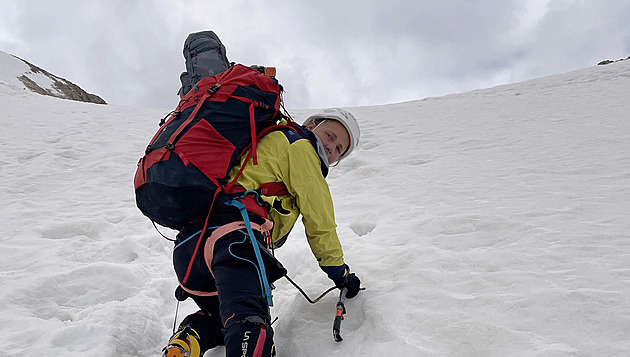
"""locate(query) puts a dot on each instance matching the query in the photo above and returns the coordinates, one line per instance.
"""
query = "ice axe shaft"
(341, 309)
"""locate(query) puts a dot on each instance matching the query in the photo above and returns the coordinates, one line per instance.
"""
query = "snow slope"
(487, 223)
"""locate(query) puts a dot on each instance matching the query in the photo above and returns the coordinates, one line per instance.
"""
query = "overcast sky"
(328, 53)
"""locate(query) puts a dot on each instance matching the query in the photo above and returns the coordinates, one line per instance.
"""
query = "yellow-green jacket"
(288, 157)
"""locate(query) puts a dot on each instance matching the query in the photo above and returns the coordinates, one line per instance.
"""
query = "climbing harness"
(260, 269)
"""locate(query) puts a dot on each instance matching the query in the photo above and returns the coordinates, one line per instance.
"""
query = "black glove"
(353, 283)
(350, 281)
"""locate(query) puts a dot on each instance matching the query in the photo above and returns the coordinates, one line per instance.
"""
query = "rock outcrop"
(611, 61)
(43, 82)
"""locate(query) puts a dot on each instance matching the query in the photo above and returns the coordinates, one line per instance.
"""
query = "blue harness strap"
(261, 265)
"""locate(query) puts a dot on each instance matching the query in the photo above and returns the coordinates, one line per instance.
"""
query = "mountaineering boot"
(184, 343)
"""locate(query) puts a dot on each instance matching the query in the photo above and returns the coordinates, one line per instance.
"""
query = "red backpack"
(186, 164)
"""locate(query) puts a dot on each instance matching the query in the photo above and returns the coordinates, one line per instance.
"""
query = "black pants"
(239, 315)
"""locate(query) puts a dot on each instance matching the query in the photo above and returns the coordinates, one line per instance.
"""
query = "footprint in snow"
(362, 228)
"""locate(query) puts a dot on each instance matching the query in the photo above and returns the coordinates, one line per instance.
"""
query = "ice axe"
(341, 309)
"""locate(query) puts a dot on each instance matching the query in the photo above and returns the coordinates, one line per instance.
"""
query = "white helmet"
(344, 117)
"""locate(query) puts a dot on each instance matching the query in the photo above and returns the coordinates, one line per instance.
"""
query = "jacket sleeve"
(305, 182)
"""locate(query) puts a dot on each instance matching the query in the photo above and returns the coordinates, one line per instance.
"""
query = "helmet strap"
(318, 124)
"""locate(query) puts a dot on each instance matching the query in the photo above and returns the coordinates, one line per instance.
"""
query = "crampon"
(184, 343)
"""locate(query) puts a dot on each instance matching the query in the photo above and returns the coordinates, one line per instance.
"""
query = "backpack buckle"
(215, 87)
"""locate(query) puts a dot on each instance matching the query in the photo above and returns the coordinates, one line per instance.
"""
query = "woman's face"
(333, 136)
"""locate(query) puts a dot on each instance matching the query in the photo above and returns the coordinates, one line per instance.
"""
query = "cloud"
(328, 53)
(403, 50)
(576, 34)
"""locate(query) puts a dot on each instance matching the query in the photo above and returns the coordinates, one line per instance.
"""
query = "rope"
(165, 237)
(306, 296)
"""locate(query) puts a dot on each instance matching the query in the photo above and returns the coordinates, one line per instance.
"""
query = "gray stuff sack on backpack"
(205, 57)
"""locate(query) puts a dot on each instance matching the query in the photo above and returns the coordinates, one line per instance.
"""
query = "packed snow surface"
(489, 223)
